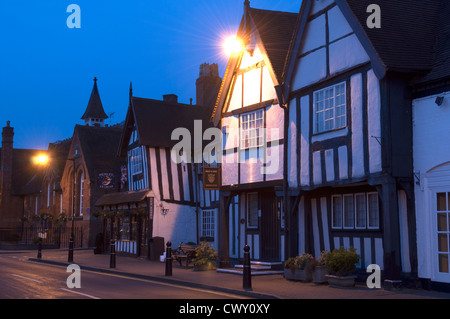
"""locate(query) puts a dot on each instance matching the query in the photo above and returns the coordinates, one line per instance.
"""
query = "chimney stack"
(6, 165)
(208, 84)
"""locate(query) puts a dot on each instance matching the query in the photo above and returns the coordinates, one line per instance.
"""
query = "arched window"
(81, 193)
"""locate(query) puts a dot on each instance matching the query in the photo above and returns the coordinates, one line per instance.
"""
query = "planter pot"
(341, 281)
(319, 275)
(297, 274)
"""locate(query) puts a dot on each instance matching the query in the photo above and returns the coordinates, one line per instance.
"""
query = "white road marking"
(79, 293)
(28, 278)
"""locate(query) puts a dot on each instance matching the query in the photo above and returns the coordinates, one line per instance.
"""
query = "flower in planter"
(205, 256)
(342, 261)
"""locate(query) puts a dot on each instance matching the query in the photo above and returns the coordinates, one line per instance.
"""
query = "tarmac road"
(22, 279)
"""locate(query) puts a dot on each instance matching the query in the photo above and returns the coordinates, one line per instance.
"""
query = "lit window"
(252, 129)
(355, 211)
(330, 108)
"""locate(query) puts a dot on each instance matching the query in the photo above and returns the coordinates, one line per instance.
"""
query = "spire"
(94, 113)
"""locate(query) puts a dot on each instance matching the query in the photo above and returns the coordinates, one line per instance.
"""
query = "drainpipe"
(282, 103)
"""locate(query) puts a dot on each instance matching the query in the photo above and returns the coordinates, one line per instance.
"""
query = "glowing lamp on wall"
(232, 45)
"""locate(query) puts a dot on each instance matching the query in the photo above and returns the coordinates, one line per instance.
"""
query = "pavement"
(262, 287)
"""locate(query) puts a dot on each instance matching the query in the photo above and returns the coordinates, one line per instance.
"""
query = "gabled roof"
(274, 31)
(155, 121)
(94, 108)
(275, 28)
(441, 48)
(406, 38)
(404, 43)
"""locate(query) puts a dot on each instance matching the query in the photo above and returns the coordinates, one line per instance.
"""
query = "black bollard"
(247, 277)
(112, 257)
(169, 259)
(39, 254)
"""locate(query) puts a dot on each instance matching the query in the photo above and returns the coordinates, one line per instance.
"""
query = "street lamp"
(71, 240)
(41, 160)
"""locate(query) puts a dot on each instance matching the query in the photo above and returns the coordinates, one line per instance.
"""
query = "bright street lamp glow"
(232, 45)
(42, 159)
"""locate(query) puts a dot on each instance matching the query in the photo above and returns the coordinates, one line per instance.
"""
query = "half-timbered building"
(252, 122)
(169, 192)
(349, 128)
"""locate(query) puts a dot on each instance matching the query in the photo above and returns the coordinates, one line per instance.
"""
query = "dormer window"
(330, 108)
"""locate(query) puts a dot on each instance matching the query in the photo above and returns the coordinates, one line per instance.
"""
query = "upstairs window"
(330, 108)
(135, 160)
(252, 125)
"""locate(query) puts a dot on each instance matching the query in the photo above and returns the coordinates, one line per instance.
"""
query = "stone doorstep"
(257, 268)
(254, 273)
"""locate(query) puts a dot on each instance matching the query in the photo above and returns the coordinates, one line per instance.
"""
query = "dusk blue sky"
(47, 69)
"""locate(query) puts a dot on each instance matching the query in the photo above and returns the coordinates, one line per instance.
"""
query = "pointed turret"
(94, 114)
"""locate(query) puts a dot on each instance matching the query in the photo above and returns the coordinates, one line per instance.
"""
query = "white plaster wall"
(178, 225)
(310, 69)
(357, 126)
(251, 166)
(154, 173)
(337, 24)
(230, 169)
(274, 122)
(274, 162)
(430, 131)
(329, 165)
(374, 121)
(268, 90)
(292, 144)
(318, 5)
(317, 168)
(249, 60)
(343, 162)
(315, 34)
(304, 141)
(252, 87)
(346, 53)
(236, 95)
(232, 124)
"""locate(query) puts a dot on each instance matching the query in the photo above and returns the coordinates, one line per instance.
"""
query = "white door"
(441, 225)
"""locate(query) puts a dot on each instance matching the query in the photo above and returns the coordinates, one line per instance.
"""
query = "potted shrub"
(205, 257)
(319, 268)
(341, 264)
(295, 268)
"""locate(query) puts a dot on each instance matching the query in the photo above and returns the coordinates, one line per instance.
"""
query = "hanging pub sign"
(211, 178)
(106, 180)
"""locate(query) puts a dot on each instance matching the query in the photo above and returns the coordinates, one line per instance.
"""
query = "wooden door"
(270, 228)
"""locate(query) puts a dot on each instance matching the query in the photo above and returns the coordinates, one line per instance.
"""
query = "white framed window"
(355, 211)
(360, 211)
(252, 129)
(373, 211)
(252, 210)
(336, 211)
(135, 159)
(330, 108)
(208, 223)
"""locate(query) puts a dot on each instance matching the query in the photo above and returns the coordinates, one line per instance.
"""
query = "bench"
(184, 252)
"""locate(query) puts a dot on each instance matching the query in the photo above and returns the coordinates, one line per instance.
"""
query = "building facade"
(252, 122)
